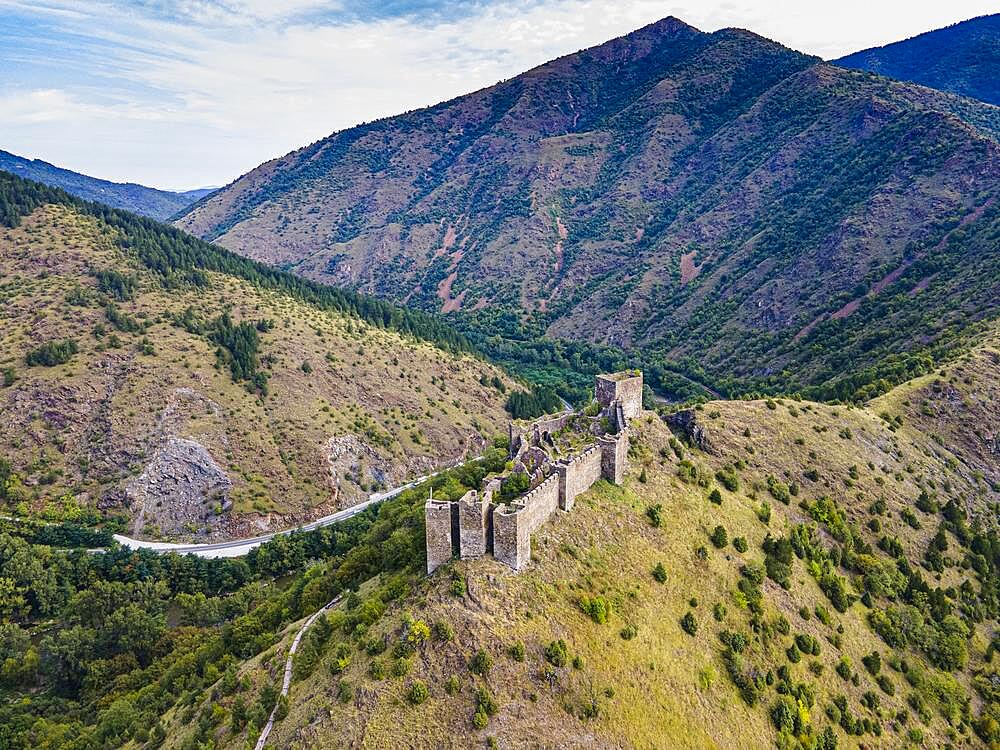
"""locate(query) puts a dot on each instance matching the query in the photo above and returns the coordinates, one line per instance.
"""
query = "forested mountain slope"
(738, 211)
(963, 58)
(157, 204)
(771, 573)
(152, 380)
(796, 576)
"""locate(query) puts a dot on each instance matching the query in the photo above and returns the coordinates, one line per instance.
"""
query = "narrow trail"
(286, 682)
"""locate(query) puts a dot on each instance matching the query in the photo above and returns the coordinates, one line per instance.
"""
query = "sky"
(181, 94)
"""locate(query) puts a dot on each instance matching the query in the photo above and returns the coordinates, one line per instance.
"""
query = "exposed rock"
(686, 422)
(179, 489)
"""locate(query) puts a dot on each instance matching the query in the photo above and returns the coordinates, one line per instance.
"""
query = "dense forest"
(105, 644)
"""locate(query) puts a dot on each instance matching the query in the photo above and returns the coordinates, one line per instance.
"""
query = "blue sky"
(186, 93)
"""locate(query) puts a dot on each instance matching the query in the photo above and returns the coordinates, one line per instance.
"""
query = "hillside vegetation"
(718, 205)
(963, 58)
(143, 391)
(772, 573)
(157, 204)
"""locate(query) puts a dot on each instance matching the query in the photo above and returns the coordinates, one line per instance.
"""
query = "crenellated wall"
(472, 510)
(474, 526)
(577, 474)
(514, 524)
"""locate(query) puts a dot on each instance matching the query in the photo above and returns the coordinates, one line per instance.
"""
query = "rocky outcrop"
(182, 489)
(686, 424)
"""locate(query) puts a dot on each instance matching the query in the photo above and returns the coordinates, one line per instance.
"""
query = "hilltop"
(741, 213)
(963, 58)
(147, 201)
(769, 571)
(152, 381)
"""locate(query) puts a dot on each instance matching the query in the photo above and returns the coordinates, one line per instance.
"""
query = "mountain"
(158, 204)
(963, 58)
(770, 573)
(155, 382)
(739, 213)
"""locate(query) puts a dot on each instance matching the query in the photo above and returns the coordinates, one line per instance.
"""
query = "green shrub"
(719, 537)
(655, 515)
(516, 651)
(481, 663)
(660, 573)
(715, 496)
(872, 662)
(52, 353)
(418, 692)
(727, 478)
(557, 653)
(740, 544)
(452, 685)
(689, 624)
(597, 607)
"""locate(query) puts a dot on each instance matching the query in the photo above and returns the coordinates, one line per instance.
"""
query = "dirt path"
(286, 682)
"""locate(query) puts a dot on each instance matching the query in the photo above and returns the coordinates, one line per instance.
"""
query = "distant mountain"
(962, 59)
(157, 204)
(737, 211)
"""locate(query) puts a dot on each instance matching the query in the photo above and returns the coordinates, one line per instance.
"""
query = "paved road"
(240, 547)
(289, 662)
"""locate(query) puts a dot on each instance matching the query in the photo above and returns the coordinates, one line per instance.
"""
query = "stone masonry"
(474, 525)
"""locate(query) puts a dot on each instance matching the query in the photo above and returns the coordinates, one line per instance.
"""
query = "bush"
(784, 714)
(740, 543)
(442, 631)
(689, 624)
(418, 692)
(872, 662)
(516, 651)
(597, 607)
(452, 685)
(481, 663)
(660, 573)
(400, 667)
(557, 653)
(52, 353)
(715, 496)
(719, 537)
(629, 632)
(655, 515)
(727, 478)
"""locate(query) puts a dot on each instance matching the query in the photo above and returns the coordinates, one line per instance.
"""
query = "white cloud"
(198, 91)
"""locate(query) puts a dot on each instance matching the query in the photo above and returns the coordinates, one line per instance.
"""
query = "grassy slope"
(89, 425)
(670, 689)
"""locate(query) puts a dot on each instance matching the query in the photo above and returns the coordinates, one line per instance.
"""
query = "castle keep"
(561, 457)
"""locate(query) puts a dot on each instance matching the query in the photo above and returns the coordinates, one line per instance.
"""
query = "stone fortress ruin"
(558, 457)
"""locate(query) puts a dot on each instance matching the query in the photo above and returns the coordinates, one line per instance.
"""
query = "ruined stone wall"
(522, 435)
(437, 522)
(614, 456)
(577, 474)
(472, 512)
(513, 525)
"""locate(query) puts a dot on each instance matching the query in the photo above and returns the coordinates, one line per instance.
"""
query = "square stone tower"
(625, 387)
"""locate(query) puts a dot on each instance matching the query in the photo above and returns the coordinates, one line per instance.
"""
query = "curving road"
(240, 547)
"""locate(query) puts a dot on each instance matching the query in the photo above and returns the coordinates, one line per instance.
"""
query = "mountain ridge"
(660, 190)
(963, 58)
(130, 196)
